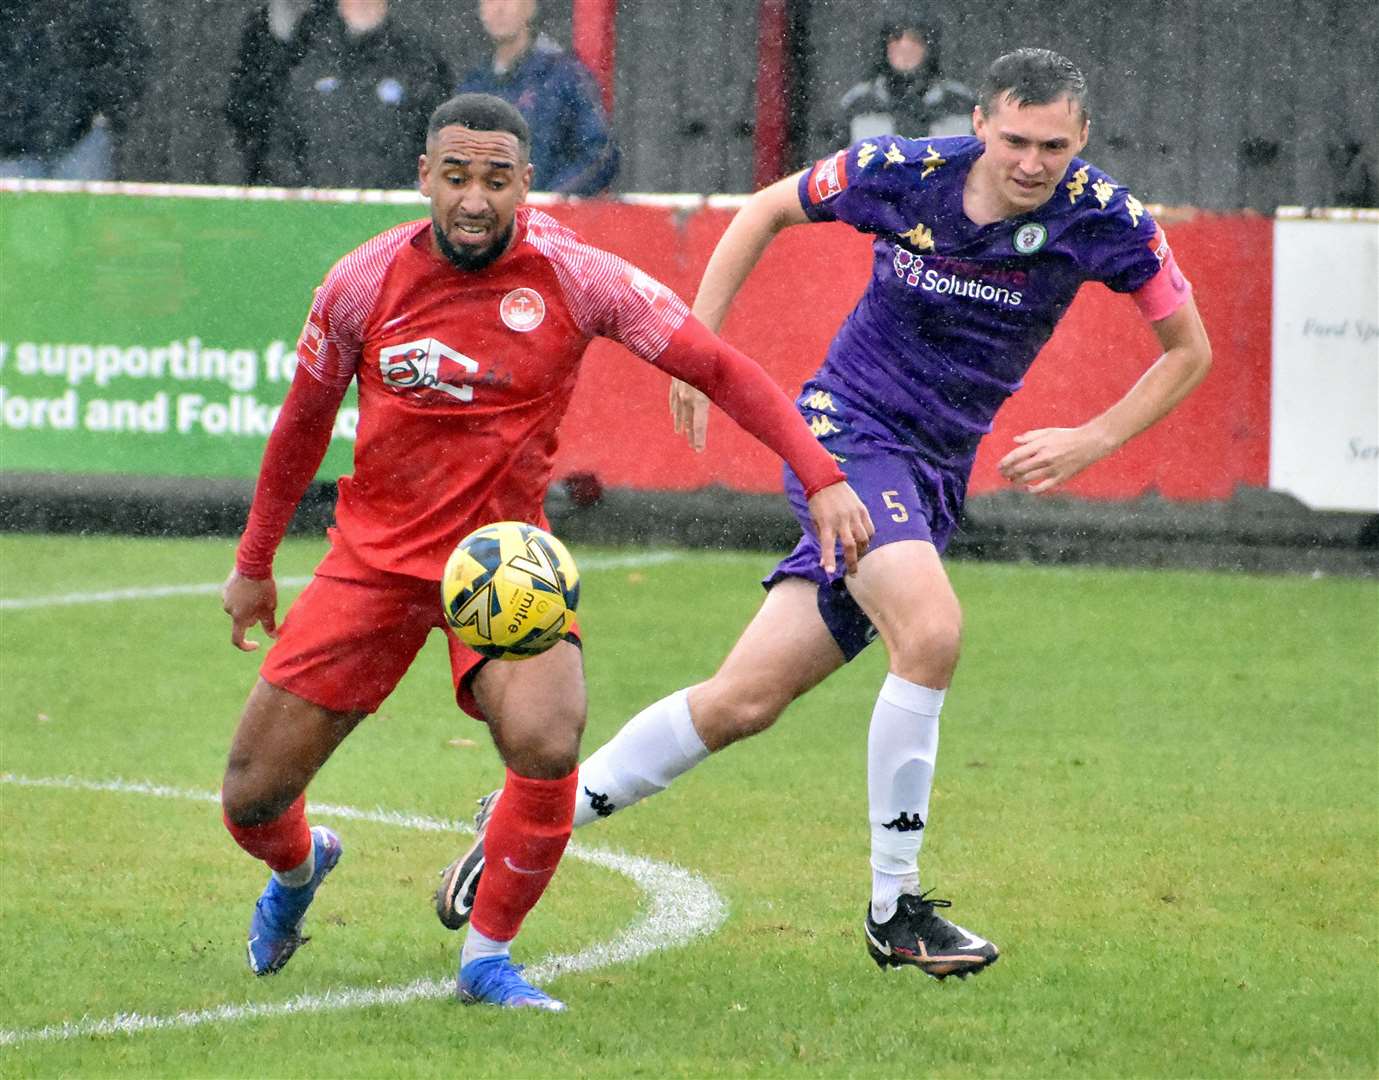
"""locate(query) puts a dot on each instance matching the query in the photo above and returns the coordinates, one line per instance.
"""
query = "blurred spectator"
(272, 42)
(71, 71)
(363, 87)
(571, 144)
(905, 94)
(1357, 166)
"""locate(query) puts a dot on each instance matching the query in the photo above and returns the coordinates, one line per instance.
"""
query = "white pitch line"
(110, 596)
(158, 592)
(682, 906)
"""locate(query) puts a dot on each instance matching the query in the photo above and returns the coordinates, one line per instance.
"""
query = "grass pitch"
(1156, 792)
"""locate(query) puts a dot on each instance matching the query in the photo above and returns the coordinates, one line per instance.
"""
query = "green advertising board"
(153, 335)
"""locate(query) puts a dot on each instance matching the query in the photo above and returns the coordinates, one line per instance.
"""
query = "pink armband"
(1166, 291)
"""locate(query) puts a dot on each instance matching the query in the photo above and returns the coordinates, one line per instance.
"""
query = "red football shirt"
(464, 380)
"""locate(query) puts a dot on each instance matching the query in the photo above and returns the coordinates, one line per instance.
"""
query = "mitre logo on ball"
(522, 310)
(509, 590)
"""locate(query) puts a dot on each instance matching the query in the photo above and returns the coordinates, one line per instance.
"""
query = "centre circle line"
(681, 907)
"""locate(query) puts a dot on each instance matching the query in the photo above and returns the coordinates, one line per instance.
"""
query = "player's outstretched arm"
(296, 447)
(746, 393)
(739, 248)
(1047, 457)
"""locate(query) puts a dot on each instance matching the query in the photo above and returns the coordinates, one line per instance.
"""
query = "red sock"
(523, 844)
(285, 842)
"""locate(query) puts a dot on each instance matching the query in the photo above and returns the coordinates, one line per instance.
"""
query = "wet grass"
(1156, 791)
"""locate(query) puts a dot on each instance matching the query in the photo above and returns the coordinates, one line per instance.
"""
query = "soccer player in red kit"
(464, 334)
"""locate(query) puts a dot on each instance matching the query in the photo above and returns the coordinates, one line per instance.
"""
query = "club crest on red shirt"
(522, 310)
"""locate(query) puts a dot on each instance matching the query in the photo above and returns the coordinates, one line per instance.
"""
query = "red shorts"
(353, 633)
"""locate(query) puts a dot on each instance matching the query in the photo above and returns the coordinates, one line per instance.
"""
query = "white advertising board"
(1324, 445)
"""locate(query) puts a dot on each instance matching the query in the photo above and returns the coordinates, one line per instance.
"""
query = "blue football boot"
(496, 980)
(275, 932)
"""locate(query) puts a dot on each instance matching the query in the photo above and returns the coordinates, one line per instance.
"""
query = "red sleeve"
(296, 447)
(738, 386)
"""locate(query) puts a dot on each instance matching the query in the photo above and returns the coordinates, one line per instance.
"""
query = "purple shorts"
(908, 498)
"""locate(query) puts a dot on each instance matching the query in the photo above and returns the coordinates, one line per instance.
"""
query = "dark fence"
(1256, 531)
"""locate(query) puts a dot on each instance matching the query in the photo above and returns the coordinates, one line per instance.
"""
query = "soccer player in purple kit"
(981, 245)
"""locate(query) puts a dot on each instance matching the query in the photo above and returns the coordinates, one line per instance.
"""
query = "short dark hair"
(480, 112)
(1034, 77)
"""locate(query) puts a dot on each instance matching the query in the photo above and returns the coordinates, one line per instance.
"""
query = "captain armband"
(1165, 292)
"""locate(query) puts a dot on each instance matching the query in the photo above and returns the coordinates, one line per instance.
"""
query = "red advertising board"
(809, 280)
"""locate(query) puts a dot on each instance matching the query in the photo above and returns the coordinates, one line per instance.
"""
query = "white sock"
(902, 744)
(299, 875)
(886, 889)
(477, 946)
(651, 750)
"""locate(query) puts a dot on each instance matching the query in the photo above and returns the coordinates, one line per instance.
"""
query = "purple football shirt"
(955, 313)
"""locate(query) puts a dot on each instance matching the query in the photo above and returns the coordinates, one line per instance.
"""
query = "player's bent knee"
(245, 805)
(752, 716)
(927, 653)
(542, 751)
(544, 762)
(254, 792)
(724, 715)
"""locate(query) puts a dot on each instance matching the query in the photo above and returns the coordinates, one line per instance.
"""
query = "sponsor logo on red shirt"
(650, 290)
(428, 365)
(829, 177)
(313, 335)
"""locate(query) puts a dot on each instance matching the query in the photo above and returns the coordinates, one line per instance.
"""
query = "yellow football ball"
(509, 590)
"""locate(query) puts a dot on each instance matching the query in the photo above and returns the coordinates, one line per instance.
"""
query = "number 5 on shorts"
(897, 508)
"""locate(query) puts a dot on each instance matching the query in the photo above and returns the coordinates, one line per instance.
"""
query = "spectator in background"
(72, 71)
(905, 95)
(1357, 164)
(363, 87)
(572, 147)
(272, 42)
